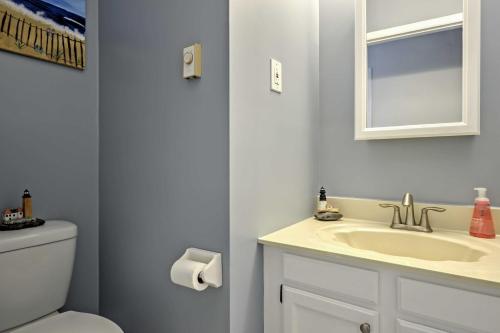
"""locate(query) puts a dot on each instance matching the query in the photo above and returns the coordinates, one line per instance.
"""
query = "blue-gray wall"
(436, 169)
(49, 144)
(273, 137)
(164, 162)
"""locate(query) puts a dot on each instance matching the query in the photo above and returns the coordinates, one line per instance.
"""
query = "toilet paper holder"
(212, 273)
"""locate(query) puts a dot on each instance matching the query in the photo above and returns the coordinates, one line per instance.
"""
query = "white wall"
(272, 137)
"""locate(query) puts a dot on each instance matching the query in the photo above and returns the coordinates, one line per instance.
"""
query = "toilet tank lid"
(50, 232)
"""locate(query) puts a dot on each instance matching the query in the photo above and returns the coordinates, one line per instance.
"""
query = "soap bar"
(328, 216)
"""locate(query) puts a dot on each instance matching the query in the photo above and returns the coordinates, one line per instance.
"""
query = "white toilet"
(35, 272)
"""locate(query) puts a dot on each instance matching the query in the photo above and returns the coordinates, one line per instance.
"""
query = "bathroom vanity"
(358, 275)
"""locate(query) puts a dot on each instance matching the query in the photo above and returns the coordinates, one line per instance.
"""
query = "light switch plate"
(191, 58)
(276, 76)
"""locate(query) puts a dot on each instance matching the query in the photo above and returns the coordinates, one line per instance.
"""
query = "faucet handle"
(434, 209)
(396, 218)
(384, 205)
(424, 217)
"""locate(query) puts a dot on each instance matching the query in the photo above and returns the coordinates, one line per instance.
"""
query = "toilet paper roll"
(185, 273)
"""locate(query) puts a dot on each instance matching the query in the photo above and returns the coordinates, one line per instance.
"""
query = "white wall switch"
(276, 76)
(192, 61)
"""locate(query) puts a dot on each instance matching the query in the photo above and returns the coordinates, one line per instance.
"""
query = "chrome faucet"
(409, 222)
(407, 203)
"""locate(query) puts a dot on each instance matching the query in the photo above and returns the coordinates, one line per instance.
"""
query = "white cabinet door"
(309, 313)
(407, 327)
(451, 307)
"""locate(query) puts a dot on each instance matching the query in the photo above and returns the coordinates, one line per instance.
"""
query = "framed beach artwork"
(51, 30)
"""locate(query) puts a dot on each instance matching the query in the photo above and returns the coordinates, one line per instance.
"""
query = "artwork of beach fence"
(51, 30)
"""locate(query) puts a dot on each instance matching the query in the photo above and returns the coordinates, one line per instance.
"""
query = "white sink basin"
(403, 243)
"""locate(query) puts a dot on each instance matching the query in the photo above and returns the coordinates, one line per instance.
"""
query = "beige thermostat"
(192, 61)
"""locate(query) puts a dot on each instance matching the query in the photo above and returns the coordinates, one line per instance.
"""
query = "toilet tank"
(35, 271)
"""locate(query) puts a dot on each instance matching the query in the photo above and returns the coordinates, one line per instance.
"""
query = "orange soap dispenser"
(482, 225)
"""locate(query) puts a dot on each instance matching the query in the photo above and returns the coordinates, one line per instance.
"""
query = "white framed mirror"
(417, 68)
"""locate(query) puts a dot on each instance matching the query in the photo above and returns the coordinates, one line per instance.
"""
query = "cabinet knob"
(365, 328)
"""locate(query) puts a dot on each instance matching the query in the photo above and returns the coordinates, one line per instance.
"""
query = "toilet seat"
(71, 322)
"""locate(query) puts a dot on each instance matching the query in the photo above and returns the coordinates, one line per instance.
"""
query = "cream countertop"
(312, 235)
